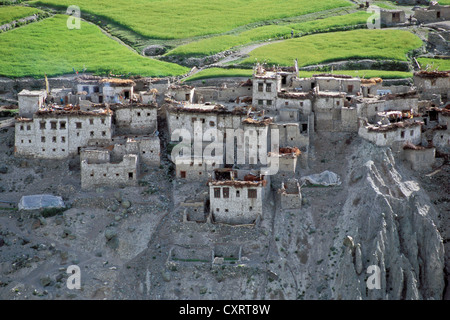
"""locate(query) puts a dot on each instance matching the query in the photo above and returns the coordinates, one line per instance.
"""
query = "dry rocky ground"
(131, 243)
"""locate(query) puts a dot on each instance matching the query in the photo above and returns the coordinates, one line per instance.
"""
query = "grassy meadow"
(327, 47)
(49, 47)
(366, 74)
(179, 19)
(11, 13)
(219, 72)
(213, 45)
(440, 64)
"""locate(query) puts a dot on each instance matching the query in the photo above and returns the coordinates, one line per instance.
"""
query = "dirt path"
(242, 52)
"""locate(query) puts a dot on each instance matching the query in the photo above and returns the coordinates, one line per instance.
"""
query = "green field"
(335, 46)
(49, 47)
(440, 64)
(219, 72)
(218, 44)
(11, 13)
(247, 73)
(366, 74)
(179, 19)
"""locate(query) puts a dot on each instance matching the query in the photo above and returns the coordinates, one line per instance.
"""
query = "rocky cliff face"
(387, 221)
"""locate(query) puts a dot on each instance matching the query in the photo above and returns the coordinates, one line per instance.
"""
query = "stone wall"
(124, 173)
(421, 159)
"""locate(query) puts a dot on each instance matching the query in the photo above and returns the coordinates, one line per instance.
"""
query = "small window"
(103, 133)
(42, 125)
(260, 87)
(217, 193)
(301, 104)
(91, 121)
(92, 133)
(63, 139)
(29, 141)
(148, 114)
(226, 192)
(183, 174)
(53, 125)
(411, 133)
(268, 87)
(78, 125)
(226, 210)
(286, 103)
(238, 194)
(54, 139)
(217, 209)
(260, 102)
(350, 88)
(138, 114)
(130, 175)
(338, 103)
(402, 134)
(96, 89)
(269, 102)
(211, 123)
(42, 139)
(103, 121)
(194, 119)
(28, 128)
(252, 194)
(62, 125)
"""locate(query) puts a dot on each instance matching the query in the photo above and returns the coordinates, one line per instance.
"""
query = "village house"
(389, 18)
(434, 13)
(30, 102)
(60, 132)
(237, 196)
(290, 194)
(432, 83)
(392, 134)
(97, 169)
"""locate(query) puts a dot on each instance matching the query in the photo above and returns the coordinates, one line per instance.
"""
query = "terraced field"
(440, 64)
(49, 47)
(335, 46)
(178, 19)
(218, 73)
(11, 13)
(218, 44)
